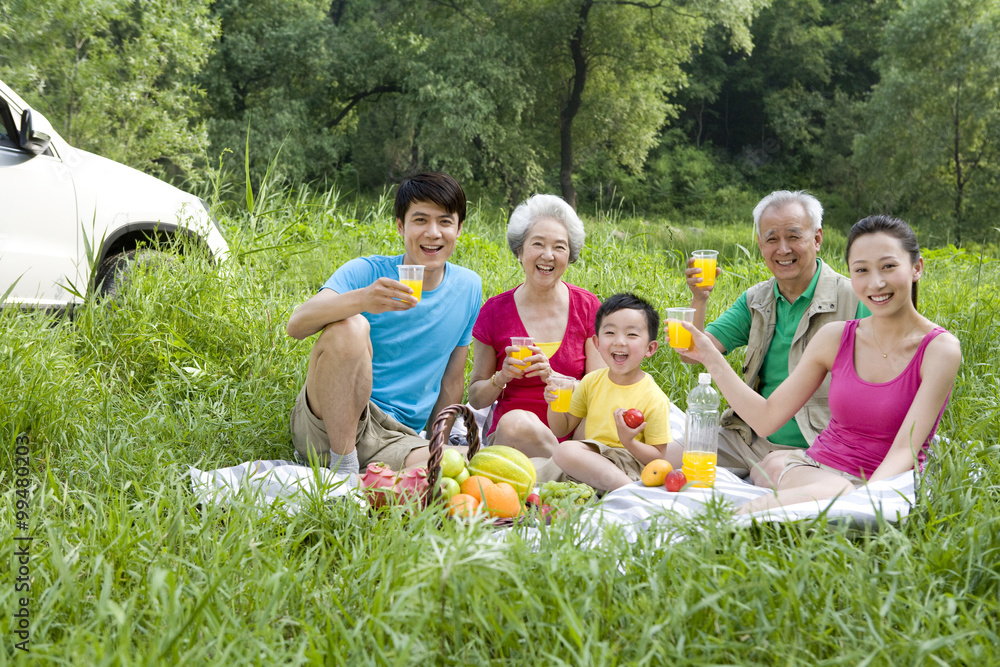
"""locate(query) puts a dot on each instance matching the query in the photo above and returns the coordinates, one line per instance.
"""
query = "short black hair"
(624, 300)
(436, 187)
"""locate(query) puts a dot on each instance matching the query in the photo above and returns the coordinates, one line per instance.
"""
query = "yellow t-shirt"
(597, 398)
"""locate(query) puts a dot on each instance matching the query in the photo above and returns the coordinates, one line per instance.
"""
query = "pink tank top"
(866, 416)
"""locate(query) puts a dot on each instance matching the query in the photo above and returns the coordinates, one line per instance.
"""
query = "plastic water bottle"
(702, 434)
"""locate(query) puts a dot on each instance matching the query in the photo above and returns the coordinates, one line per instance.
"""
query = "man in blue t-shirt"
(388, 359)
(775, 319)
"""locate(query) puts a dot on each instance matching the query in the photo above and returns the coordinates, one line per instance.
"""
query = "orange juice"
(561, 404)
(699, 468)
(680, 338)
(416, 285)
(707, 266)
(520, 354)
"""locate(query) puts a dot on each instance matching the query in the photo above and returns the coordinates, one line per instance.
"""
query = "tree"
(497, 92)
(113, 76)
(811, 61)
(268, 85)
(933, 144)
(604, 68)
(502, 91)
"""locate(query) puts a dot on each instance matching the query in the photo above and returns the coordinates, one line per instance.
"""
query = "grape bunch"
(566, 495)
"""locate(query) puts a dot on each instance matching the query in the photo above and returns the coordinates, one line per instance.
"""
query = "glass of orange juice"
(523, 351)
(706, 260)
(563, 386)
(680, 338)
(412, 275)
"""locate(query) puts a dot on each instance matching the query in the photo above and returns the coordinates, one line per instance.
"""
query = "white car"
(56, 200)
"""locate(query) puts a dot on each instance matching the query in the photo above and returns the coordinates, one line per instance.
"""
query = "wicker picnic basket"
(440, 431)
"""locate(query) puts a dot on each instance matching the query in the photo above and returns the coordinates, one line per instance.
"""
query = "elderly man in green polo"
(775, 320)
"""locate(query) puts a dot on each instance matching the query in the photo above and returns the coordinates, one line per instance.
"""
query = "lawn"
(194, 367)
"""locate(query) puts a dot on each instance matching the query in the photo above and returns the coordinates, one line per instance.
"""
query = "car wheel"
(115, 272)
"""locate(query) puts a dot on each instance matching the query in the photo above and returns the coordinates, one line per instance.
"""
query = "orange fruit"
(655, 472)
(462, 504)
(502, 500)
(475, 485)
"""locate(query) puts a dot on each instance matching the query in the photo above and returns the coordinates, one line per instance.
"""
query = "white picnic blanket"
(631, 509)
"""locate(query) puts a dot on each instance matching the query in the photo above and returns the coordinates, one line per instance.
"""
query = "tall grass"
(193, 367)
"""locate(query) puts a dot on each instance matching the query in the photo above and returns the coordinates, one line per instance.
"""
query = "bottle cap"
(704, 378)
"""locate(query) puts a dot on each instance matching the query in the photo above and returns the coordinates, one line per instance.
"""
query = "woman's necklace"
(901, 339)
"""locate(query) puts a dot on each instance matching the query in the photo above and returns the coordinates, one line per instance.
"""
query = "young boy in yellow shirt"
(613, 454)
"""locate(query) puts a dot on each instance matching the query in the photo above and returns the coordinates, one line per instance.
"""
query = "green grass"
(194, 368)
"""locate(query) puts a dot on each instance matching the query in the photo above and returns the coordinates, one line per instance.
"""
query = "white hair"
(534, 209)
(781, 197)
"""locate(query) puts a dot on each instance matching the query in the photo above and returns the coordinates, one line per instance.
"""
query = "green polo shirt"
(732, 329)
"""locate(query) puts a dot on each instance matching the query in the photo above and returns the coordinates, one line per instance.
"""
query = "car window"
(10, 125)
(8, 131)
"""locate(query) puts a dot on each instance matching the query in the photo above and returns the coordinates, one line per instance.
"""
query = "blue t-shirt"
(411, 347)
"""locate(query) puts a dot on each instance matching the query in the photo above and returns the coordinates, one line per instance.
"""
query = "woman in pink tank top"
(891, 375)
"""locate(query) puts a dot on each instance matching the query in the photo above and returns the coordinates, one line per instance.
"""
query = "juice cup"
(680, 338)
(706, 261)
(523, 351)
(563, 385)
(412, 275)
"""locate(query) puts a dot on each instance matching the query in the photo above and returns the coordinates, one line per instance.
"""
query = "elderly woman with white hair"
(546, 236)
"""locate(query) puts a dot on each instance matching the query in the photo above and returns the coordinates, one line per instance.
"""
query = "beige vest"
(833, 301)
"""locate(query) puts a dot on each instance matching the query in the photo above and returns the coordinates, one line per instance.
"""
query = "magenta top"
(866, 416)
(499, 320)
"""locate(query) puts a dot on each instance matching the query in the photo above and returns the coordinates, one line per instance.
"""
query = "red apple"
(675, 480)
(533, 499)
(633, 418)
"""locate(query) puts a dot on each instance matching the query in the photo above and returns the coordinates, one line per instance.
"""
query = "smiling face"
(882, 274)
(789, 245)
(545, 253)
(623, 342)
(429, 234)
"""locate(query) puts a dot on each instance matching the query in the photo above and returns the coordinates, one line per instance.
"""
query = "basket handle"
(439, 437)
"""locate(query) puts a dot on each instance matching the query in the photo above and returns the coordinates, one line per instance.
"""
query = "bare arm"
(452, 383)
(327, 306)
(561, 423)
(643, 452)
(483, 388)
(937, 372)
(767, 415)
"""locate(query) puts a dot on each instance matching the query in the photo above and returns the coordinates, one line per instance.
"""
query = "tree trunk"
(572, 107)
(959, 184)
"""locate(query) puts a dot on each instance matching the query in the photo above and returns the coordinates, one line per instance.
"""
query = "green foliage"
(781, 113)
(194, 367)
(113, 76)
(370, 91)
(932, 146)
(603, 71)
(267, 81)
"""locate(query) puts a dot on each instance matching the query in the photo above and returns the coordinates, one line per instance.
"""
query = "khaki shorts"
(736, 456)
(379, 438)
(800, 458)
(548, 471)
